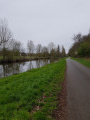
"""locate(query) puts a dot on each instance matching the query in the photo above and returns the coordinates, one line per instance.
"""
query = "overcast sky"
(45, 21)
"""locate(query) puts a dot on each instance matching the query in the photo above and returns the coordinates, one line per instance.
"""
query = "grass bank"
(31, 95)
(23, 59)
(84, 61)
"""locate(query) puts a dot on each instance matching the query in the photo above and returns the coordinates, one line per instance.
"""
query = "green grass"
(22, 94)
(1, 57)
(83, 61)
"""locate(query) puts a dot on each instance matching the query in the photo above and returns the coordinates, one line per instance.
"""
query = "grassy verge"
(83, 61)
(31, 95)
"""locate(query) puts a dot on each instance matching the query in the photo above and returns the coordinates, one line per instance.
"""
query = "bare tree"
(63, 53)
(39, 48)
(52, 50)
(45, 51)
(51, 46)
(16, 48)
(5, 33)
(77, 38)
(58, 51)
(30, 46)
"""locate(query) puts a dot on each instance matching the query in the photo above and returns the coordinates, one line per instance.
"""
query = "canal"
(16, 68)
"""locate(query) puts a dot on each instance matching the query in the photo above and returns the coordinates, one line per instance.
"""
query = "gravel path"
(78, 91)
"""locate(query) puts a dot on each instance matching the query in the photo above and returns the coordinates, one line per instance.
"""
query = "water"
(16, 68)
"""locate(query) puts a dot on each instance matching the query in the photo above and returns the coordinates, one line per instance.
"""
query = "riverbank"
(32, 94)
(22, 59)
(84, 61)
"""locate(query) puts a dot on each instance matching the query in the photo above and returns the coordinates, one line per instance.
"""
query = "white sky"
(45, 21)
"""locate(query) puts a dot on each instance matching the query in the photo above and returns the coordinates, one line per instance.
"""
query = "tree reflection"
(10, 69)
(16, 68)
(30, 65)
(38, 63)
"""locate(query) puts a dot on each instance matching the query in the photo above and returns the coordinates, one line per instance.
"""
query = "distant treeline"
(12, 50)
(81, 46)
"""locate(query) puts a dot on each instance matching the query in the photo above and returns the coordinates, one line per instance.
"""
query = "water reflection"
(16, 68)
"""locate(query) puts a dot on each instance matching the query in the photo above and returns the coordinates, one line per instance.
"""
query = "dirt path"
(78, 91)
(61, 112)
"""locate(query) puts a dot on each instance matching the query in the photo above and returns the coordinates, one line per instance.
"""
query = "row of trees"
(11, 49)
(81, 46)
(51, 50)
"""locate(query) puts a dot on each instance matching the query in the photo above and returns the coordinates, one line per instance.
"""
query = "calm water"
(16, 68)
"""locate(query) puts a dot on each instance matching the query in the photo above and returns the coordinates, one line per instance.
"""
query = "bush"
(84, 49)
